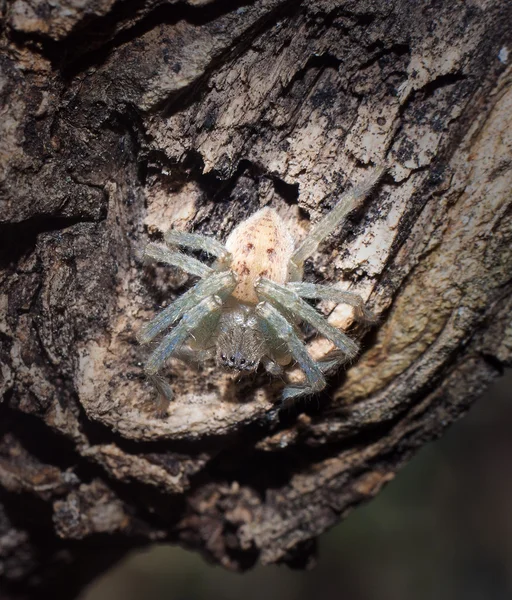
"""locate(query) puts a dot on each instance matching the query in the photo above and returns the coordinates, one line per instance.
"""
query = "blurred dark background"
(442, 529)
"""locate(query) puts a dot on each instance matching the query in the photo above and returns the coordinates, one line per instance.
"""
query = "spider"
(247, 306)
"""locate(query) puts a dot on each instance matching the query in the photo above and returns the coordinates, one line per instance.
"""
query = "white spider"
(246, 307)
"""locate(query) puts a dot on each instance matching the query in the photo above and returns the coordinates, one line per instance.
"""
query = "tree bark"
(123, 119)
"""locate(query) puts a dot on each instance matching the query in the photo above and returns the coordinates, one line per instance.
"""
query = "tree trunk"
(123, 119)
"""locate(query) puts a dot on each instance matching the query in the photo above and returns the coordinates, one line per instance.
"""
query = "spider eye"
(232, 358)
(242, 361)
(223, 356)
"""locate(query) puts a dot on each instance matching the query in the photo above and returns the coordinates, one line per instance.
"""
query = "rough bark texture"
(121, 119)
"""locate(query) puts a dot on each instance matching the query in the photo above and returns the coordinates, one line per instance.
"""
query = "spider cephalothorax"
(246, 308)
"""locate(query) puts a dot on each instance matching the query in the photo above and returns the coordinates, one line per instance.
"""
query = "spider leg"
(272, 367)
(221, 284)
(329, 222)
(177, 259)
(164, 394)
(315, 380)
(331, 361)
(173, 340)
(323, 292)
(280, 295)
(195, 241)
(193, 357)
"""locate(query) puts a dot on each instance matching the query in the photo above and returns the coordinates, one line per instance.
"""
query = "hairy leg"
(165, 394)
(193, 357)
(315, 380)
(329, 222)
(177, 259)
(195, 241)
(221, 284)
(279, 295)
(190, 321)
(332, 361)
(272, 367)
(173, 341)
(324, 292)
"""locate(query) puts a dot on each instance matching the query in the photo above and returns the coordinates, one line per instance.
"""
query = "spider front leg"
(221, 284)
(193, 357)
(284, 331)
(190, 321)
(281, 296)
(209, 308)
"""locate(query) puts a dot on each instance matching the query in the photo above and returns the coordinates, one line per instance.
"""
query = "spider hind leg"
(334, 218)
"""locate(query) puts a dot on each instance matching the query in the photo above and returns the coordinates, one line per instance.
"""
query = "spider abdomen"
(261, 246)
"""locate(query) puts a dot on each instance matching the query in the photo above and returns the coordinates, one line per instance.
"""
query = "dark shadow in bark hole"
(19, 239)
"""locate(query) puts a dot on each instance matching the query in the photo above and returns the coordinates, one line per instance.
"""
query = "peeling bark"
(121, 120)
